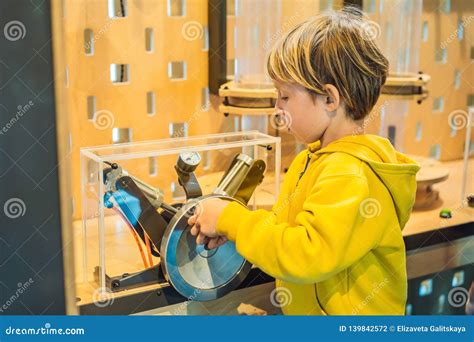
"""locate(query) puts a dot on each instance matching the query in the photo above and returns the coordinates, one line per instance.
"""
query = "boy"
(333, 240)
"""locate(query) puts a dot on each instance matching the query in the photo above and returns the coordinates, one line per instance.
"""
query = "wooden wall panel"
(442, 19)
(122, 41)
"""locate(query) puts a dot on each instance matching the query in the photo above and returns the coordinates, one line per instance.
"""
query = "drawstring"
(308, 159)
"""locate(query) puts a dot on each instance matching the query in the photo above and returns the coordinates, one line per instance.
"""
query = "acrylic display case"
(108, 246)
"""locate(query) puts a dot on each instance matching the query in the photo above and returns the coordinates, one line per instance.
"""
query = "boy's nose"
(278, 105)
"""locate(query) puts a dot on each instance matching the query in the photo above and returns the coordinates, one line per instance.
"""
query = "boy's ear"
(333, 98)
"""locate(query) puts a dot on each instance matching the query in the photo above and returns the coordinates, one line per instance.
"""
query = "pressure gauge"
(188, 161)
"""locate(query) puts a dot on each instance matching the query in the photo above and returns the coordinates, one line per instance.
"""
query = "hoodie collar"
(314, 146)
(396, 171)
(367, 147)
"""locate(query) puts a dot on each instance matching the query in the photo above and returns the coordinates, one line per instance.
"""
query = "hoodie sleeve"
(330, 233)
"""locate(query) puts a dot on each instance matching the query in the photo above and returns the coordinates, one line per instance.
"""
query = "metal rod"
(235, 176)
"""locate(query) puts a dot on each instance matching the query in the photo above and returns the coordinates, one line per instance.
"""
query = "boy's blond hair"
(332, 48)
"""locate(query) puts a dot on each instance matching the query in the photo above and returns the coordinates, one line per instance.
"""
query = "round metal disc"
(195, 272)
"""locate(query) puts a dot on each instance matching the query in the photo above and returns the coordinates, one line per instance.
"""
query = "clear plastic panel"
(108, 246)
(397, 28)
(253, 35)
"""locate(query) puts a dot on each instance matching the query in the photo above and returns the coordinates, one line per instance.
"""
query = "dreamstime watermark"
(99, 34)
(14, 30)
(370, 30)
(455, 33)
(374, 113)
(281, 119)
(192, 30)
(280, 297)
(103, 297)
(371, 296)
(182, 308)
(195, 116)
(46, 330)
(280, 207)
(22, 110)
(458, 119)
(370, 208)
(14, 208)
(458, 297)
(103, 119)
(288, 23)
(21, 288)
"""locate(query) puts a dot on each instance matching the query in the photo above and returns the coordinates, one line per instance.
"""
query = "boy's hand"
(204, 222)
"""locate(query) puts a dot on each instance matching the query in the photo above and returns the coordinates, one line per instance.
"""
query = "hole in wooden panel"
(470, 100)
(150, 103)
(91, 107)
(177, 70)
(392, 130)
(121, 135)
(89, 42)
(460, 30)
(426, 287)
(472, 52)
(117, 8)
(205, 38)
(230, 7)
(408, 309)
(453, 127)
(445, 6)
(230, 68)
(425, 31)
(458, 279)
(176, 8)
(441, 303)
(149, 42)
(152, 166)
(457, 79)
(435, 152)
(205, 98)
(119, 73)
(418, 131)
(178, 129)
(177, 192)
(438, 104)
(441, 55)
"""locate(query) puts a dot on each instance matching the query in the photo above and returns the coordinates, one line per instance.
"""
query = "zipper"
(308, 159)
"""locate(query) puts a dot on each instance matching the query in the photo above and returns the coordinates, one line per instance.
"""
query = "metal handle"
(230, 184)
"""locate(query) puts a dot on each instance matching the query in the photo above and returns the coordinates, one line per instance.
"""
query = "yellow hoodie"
(333, 240)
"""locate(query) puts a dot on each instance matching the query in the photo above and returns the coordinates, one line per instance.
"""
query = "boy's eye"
(284, 98)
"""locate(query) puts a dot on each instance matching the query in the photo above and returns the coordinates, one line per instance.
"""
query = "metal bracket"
(189, 183)
(140, 212)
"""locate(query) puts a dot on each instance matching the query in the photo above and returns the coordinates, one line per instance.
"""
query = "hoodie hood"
(396, 171)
